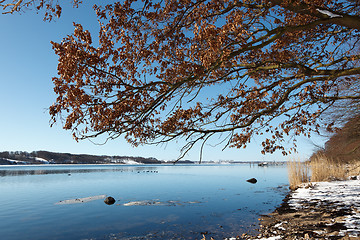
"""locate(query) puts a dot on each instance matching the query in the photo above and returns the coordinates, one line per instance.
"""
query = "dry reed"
(321, 168)
(298, 173)
(324, 169)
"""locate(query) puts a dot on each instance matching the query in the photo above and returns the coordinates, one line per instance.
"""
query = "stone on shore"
(252, 180)
(109, 200)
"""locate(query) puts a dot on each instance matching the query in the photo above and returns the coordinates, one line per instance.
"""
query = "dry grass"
(354, 168)
(298, 173)
(321, 168)
(324, 169)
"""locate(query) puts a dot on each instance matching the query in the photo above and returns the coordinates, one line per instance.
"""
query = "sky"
(27, 64)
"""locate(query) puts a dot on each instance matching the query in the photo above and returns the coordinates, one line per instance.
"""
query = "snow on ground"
(131, 162)
(123, 161)
(341, 194)
(271, 238)
(41, 160)
(15, 161)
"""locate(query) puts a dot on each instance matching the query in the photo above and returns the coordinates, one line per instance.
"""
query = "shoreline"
(321, 210)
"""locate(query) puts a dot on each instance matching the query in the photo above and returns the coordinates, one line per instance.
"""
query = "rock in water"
(109, 200)
(252, 180)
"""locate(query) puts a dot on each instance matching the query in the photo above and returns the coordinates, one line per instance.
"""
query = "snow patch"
(278, 226)
(127, 161)
(271, 238)
(131, 162)
(15, 161)
(41, 160)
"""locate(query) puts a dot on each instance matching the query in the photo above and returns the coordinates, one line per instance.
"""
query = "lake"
(152, 201)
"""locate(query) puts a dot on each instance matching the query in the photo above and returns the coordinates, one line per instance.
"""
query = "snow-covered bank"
(321, 210)
(342, 195)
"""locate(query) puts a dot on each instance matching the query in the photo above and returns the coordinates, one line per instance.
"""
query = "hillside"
(45, 157)
(344, 144)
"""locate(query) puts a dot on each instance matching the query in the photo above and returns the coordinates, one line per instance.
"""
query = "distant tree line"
(17, 156)
(66, 158)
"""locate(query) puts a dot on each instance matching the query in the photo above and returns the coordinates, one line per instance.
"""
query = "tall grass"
(298, 173)
(324, 169)
(321, 168)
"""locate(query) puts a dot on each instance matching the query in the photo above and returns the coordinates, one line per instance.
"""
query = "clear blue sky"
(28, 63)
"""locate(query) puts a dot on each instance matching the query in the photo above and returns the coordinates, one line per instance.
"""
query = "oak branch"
(193, 69)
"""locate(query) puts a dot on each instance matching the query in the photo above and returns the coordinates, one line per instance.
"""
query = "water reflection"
(152, 201)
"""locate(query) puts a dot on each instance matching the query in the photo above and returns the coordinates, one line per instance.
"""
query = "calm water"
(190, 200)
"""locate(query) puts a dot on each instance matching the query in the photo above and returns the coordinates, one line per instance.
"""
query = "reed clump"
(320, 169)
(325, 169)
(298, 173)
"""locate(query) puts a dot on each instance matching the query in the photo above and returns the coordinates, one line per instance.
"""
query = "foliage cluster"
(195, 69)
